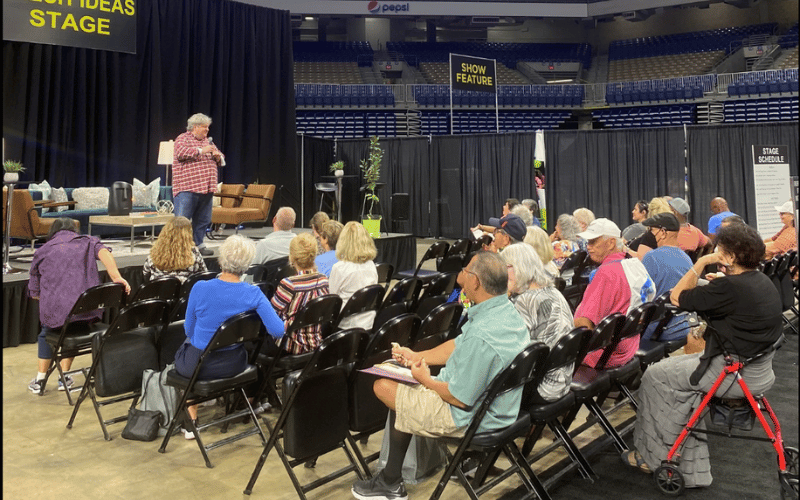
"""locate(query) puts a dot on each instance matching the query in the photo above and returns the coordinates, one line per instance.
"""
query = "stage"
(21, 314)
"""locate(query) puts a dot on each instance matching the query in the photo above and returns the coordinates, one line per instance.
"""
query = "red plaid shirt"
(192, 171)
(785, 239)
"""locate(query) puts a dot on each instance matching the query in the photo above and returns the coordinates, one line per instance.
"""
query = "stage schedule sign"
(472, 73)
(91, 24)
(772, 183)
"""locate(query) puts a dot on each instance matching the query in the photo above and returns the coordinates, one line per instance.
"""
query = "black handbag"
(142, 425)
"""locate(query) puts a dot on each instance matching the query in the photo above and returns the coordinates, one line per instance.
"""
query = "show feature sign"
(91, 24)
(472, 73)
(773, 186)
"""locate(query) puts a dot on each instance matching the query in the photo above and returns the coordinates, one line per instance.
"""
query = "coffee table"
(132, 221)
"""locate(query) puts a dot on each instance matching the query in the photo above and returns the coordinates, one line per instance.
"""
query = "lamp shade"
(166, 150)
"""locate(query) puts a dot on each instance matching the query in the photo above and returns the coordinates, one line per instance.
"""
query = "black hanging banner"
(472, 73)
(91, 24)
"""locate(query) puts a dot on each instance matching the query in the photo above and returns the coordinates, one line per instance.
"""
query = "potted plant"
(371, 168)
(337, 168)
(11, 170)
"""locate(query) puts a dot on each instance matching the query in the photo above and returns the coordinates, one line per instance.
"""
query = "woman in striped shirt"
(295, 291)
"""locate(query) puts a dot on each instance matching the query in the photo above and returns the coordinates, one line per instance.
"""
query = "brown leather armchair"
(25, 221)
(252, 205)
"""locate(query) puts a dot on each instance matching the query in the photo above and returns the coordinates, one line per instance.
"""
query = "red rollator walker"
(733, 413)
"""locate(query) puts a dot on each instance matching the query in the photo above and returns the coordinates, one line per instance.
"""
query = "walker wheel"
(788, 478)
(669, 480)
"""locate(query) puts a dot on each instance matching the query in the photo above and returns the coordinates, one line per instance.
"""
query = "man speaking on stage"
(194, 176)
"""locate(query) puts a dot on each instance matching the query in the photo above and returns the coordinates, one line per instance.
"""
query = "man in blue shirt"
(666, 265)
(719, 207)
(443, 406)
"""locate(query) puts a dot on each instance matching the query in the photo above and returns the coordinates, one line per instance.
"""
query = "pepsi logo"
(373, 6)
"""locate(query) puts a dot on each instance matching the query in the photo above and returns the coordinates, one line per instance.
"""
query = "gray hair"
(236, 254)
(620, 244)
(527, 266)
(196, 120)
(568, 227)
(583, 216)
(531, 204)
(540, 241)
(523, 213)
(492, 272)
(284, 218)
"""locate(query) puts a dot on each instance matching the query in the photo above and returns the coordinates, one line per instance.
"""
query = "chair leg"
(537, 485)
(573, 451)
(606, 425)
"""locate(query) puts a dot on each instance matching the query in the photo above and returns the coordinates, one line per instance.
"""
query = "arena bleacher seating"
(646, 116)
(506, 53)
(761, 110)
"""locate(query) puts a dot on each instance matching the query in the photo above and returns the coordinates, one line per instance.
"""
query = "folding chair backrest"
(440, 322)
(442, 284)
(366, 299)
(575, 259)
(103, 296)
(451, 264)
(238, 329)
(436, 250)
(128, 347)
(560, 283)
(307, 431)
(405, 290)
(477, 245)
(385, 272)
(322, 310)
(459, 247)
(186, 288)
(164, 288)
(602, 335)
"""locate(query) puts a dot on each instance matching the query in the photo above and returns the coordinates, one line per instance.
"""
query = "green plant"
(12, 166)
(337, 165)
(371, 168)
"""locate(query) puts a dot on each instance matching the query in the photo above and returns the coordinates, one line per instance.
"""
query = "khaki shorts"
(422, 412)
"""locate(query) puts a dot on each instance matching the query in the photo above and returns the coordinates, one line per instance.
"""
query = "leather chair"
(308, 432)
(25, 221)
(244, 328)
(119, 356)
(250, 205)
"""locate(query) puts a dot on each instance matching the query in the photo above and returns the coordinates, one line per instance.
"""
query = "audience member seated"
(174, 252)
(543, 308)
(507, 230)
(584, 217)
(638, 214)
(666, 265)
(316, 223)
(295, 291)
(785, 239)
(690, 238)
(61, 270)
(210, 304)
(538, 239)
(744, 307)
(640, 246)
(564, 238)
(355, 270)
(618, 286)
(443, 406)
(719, 210)
(276, 244)
(534, 208)
(523, 213)
(507, 207)
(328, 237)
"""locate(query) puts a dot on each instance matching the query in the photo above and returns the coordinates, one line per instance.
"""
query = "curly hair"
(302, 251)
(355, 244)
(657, 206)
(172, 250)
(236, 254)
(743, 242)
(568, 227)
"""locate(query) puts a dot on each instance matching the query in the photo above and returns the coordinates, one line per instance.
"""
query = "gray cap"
(680, 205)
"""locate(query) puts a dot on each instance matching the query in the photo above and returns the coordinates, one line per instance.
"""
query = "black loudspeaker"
(120, 199)
(401, 207)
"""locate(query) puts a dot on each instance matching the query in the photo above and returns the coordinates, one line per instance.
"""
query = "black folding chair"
(243, 328)
(172, 335)
(165, 288)
(401, 299)
(364, 300)
(436, 250)
(525, 367)
(119, 356)
(186, 288)
(385, 274)
(367, 412)
(477, 244)
(75, 337)
(437, 326)
(308, 432)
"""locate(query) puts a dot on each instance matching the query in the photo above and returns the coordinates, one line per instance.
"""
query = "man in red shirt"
(690, 238)
(194, 176)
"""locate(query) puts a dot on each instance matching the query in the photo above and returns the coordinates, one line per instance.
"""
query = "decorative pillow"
(45, 189)
(217, 202)
(59, 195)
(146, 195)
(90, 198)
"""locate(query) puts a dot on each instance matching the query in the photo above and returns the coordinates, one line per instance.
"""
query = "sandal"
(634, 459)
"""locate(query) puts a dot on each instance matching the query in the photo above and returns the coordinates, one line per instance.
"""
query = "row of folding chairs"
(779, 269)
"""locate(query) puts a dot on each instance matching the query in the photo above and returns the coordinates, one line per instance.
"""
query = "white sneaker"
(188, 435)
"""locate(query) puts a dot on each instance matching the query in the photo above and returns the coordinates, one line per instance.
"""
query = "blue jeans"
(677, 328)
(197, 208)
(45, 351)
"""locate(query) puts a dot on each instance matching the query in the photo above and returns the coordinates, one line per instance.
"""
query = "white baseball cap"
(600, 227)
(786, 208)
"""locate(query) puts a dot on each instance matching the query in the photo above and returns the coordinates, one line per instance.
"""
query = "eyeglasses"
(465, 270)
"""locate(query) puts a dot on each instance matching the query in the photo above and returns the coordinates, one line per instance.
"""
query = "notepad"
(390, 369)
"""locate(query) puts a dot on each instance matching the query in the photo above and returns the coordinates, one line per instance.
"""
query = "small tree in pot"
(371, 168)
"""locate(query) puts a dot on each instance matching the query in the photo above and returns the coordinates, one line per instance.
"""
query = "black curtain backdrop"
(608, 170)
(721, 164)
(316, 155)
(82, 117)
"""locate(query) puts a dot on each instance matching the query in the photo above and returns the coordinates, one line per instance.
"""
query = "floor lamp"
(166, 150)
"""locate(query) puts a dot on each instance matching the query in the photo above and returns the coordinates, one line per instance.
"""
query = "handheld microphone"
(210, 141)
